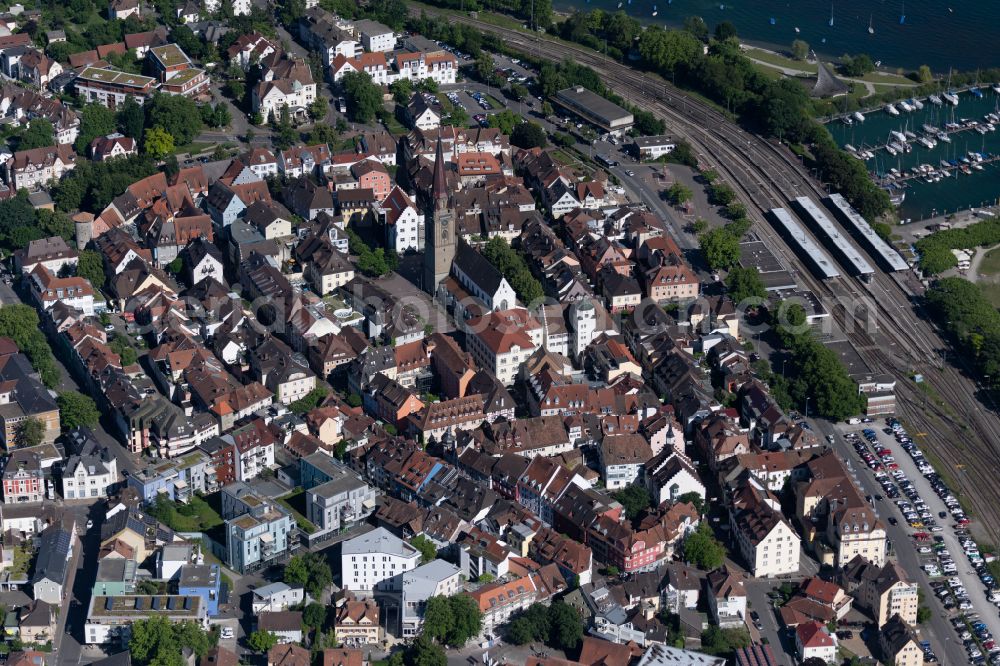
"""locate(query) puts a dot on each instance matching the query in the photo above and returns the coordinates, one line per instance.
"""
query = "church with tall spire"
(440, 238)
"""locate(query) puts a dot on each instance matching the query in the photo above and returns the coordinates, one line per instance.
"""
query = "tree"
(859, 65)
(262, 641)
(723, 642)
(519, 91)
(703, 550)
(457, 117)
(318, 108)
(156, 640)
(484, 66)
(566, 629)
(314, 615)
(235, 89)
(131, 119)
(31, 432)
(158, 142)
(311, 571)
(505, 121)
(96, 120)
(296, 571)
(55, 223)
(90, 265)
(924, 614)
(528, 135)
(176, 114)
(467, 620)
(364, 98)
(725, 30)
(39, 134)
(426, 653)
(697, 27)
(693, 498)
(800, 49)
(745, 284)
(438, 618)
(634, 499)
(679, 194)
(428, 551)
(176, 266)
(924, 74)
(520, 631)
(77, 409)
(126, 352)
(402, 91)
(721, 248)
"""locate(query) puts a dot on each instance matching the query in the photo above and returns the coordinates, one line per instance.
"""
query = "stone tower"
(439, 228)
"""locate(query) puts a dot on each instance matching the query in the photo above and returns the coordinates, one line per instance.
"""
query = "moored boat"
(951, 98)
(891, 110)
(935, 100)
(943, 137)
(860, 117)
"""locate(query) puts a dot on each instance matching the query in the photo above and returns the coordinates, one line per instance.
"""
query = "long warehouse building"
(819, 261)
(829, 233)
(858, 226)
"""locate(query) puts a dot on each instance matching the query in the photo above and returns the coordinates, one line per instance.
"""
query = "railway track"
(765, 176)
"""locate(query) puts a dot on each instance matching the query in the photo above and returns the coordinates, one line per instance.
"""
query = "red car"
(921, 536)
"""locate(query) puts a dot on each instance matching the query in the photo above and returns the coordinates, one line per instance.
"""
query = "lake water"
(950, 194)
(941, 33)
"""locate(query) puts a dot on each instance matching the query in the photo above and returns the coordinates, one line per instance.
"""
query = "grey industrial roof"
(860, 228)
(379, 540)
(773, 274)
(592, 106)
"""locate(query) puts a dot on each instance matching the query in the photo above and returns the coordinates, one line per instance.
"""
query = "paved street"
(938, 630)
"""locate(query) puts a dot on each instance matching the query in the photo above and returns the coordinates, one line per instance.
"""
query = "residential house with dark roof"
(48, 583)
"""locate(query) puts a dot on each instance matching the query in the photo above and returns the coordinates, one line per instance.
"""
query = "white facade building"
(376, 561)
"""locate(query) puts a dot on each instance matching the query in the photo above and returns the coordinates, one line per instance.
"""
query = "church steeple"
(439, 187)
(439, 227)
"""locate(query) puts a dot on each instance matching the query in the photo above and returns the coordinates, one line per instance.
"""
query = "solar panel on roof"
(138, 603)
(156, 603)
(171, 603)
(109, 603)
(187, 603)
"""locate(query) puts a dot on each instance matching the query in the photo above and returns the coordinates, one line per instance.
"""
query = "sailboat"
(654, 11)
(871, 30)
(830, 22)
(797, 30)
(902, 15)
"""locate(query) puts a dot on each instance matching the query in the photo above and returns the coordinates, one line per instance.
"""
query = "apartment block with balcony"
(258, 531)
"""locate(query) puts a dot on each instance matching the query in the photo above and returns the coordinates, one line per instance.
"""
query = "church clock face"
(444, 229)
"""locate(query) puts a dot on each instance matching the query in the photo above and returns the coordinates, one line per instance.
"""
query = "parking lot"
(918, 501)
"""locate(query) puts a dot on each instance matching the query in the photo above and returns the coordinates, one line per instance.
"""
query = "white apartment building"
(91, 474)
(765, 538)
(376, 560)
(374, 36)
(503, 340)
(404, 224)
(434, 579)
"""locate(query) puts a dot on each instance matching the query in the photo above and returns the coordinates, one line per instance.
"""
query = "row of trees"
(816, 377)
(20, 323)
(935, 250)
(514, 268)
(971, 321)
